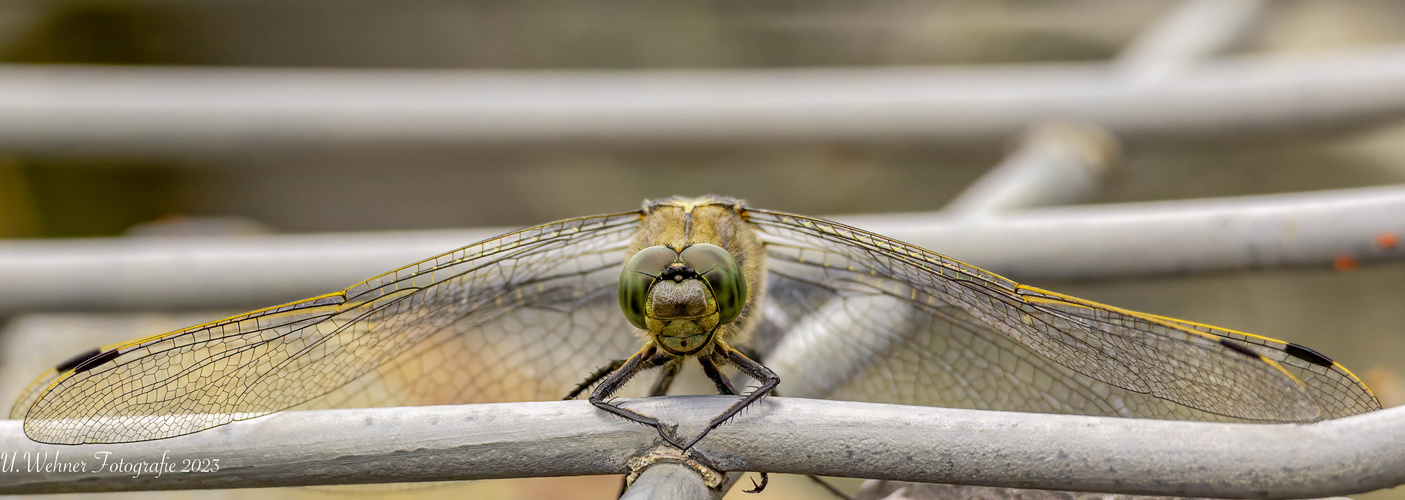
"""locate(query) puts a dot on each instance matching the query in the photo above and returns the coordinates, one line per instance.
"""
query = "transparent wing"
(523, 316)
(891, 322)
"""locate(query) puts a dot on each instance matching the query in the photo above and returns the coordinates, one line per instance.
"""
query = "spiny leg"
(642, 360)
(757, 488)
(595, 377)
(600, 373)
(709, 367)
(725, 387)
(671, 365)
(665, 380)
(769, 380)
(750, 352)
(829, 487)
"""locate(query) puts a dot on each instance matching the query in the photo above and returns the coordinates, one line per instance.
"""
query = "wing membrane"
(524, 316)
(916, 327)
(511, 318)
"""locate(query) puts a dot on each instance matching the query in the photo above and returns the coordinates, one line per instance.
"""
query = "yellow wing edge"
(1016, 288)
(71, 366)
(1058, 298)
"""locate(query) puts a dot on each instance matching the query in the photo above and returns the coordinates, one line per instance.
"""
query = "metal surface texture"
(75, 109)
(785, 435)
(668, 481)
(354, 446)
(1069, 242)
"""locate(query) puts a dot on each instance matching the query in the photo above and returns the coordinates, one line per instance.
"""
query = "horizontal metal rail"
(784, 435)
(1062, 163)
(1149, 238)
(68, 109)
(1066, 242)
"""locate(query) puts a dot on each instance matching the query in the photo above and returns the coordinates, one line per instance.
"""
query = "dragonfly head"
(682, 297)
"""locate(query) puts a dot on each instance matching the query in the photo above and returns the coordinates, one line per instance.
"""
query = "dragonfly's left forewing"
(912, 326)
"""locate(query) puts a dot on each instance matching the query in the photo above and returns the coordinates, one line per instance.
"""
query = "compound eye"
(640, 273)
(722, 274)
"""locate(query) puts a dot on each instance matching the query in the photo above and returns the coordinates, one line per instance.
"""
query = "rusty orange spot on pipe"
(1388, 241)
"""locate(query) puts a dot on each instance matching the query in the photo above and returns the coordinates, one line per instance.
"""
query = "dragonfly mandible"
(827, 310)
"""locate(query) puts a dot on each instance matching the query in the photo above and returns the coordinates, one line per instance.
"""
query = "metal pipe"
(668, 481)
(1134, 239)
(360, 446)
(782, 435)
(1068, 242)
(1061, 163)
(1058, 163)
(1191, 32)
(65, 109)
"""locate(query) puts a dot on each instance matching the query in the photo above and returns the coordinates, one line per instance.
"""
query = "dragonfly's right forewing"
(519, 317)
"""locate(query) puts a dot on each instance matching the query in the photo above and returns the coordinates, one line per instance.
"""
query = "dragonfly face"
(684, 287)
(695, 263)
(663, 291)
(833, 310)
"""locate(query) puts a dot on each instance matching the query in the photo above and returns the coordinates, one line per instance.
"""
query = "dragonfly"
(800, 305)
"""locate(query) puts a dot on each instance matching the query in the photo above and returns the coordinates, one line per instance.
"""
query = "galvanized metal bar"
(1138, 239)
(1058, 163)
(900, 490)
(1061, 163)
(1192, 31)
(785, 435)
(1070, 242)
(1156, 457)
(342, 447)
(206, 272)
(67, 110)
(667, 481)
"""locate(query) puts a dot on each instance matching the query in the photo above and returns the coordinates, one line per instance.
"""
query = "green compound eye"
(642, 270)
(722, 273)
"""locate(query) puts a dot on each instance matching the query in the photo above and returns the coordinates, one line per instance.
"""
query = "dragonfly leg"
(670, 370)
(595, 377)
(642, 360)
(830, 488)
(757, 488)
(724, 386)
(769, 380)
(600, 373)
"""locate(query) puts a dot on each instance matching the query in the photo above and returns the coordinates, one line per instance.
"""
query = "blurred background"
(237, 121)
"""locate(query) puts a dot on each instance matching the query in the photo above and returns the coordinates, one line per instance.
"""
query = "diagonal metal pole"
(1060, 163)
(668, 481)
